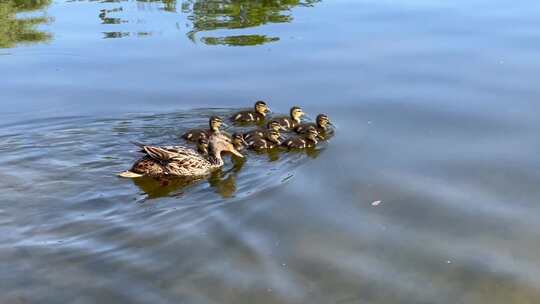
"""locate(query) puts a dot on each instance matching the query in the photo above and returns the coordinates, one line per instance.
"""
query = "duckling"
(309, 140)
(272, 125)
(289, 123)
(238, 141)
(261, 109)
(214, 123)
(321, 124)
(182, 161)
(271, 141)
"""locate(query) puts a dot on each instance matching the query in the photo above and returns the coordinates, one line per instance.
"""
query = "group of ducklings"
(187, 162)
(269, 137)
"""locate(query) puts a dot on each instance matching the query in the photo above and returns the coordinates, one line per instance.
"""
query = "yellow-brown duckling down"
(194, 135)
(308, 140)
(270, 126)
(322, 124)
(294, 119)
(270, 141)
(258, 114)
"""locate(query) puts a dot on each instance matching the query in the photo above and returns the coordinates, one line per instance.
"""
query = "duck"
(258, 114)
(321, 124)
(238, 141)
(272, 125)
(294, 119)
(270, 141)
(179, 161)
(309, 140)
(215, 123)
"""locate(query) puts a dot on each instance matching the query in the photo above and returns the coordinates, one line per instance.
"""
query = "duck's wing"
(159, 153)
(181, 150)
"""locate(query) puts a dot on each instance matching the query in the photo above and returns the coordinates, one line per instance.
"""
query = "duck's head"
(312, 134)
(296, 113)
(262, 108)
(238, 141)
(215, 123)
(274, 136)
(274, 125)
(219, 143)
(323, 121)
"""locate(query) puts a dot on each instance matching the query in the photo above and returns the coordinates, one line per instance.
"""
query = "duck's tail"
(129, 174)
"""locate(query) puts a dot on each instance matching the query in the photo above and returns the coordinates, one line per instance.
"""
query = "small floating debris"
(376, 203)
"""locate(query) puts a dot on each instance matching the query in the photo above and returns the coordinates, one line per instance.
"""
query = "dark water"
(436, 104)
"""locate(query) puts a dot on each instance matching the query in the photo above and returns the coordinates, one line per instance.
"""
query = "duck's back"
(172, 161)
(286, 122)
(247, 116)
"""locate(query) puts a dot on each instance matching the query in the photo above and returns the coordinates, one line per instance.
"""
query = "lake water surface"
(436, 105)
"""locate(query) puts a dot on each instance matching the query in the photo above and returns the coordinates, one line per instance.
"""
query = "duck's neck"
(216, 160)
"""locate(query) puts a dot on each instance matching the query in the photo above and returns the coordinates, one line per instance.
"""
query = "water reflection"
(209, 15)
(223, 182)
(14, 29)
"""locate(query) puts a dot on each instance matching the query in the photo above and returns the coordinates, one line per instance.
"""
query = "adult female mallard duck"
(294, 119)
(178, 161)
(270, 141)
(214, 123)
(309, 140)
(321, 124)
(258, 114)
(262, 133)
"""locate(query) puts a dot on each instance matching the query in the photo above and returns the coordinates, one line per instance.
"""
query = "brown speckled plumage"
(181, 161)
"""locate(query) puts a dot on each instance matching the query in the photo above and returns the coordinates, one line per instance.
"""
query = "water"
(436, 109)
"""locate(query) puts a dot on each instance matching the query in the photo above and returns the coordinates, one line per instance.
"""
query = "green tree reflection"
(14, 29)
(209, 15)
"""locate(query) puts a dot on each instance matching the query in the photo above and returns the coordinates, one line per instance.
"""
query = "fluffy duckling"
(259, 113)
(289, 123)
(194, 135)
(262, 133)
(271, 141)
(309, 140)
(181, 161)
(321, 124)
(238, 141)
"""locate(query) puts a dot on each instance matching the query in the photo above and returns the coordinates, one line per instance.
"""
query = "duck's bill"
(235, 152)
(268, 110)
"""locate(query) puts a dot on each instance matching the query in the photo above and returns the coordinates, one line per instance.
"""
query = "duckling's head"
(274, 125)
(262, 108)
(202, 145)
(219, 143)
(297, 113)
(215, 123)
(323, 121)
(312, 134)
(238, 141)
(274, 136)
